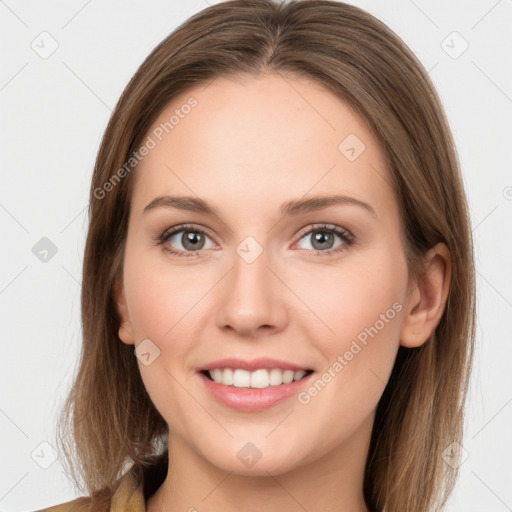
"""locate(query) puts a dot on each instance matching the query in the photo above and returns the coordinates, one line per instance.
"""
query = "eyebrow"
(290, 208)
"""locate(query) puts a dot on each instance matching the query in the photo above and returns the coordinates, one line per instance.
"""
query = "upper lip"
(251, 365)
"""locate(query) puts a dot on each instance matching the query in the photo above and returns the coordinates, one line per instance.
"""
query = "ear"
(427, 297)
(125, 329)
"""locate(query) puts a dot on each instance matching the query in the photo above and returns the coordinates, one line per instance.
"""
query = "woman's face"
(260, 277)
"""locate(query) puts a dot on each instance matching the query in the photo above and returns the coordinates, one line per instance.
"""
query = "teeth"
(276, 377)
(227, 376)
(241, 379)
(257, 379)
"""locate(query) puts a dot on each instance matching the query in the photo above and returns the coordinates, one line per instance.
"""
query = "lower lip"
(253, 399)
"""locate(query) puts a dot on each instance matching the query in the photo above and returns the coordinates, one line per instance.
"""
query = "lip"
(252, 365)
(253, 399)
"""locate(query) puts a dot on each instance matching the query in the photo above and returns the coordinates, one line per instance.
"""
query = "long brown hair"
(108, 421)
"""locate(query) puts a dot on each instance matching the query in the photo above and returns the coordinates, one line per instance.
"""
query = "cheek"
(355, 297)
(161, 298)
(362, 306)
(163, 303)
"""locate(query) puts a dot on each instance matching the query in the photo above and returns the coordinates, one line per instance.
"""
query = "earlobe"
(427, 300)
(125, 331)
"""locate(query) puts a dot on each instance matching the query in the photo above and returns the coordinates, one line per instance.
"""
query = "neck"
(331, 482)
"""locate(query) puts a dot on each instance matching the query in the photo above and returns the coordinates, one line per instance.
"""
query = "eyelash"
(345, 235)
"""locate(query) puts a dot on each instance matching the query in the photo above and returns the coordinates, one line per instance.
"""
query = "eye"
(191, 239)
(323, 236)
(186, 240)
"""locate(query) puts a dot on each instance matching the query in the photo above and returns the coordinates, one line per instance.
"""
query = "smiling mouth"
(257, 379)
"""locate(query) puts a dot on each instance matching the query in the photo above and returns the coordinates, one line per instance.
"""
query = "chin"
(258, 458)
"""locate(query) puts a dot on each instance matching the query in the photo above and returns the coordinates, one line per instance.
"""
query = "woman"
(278, 283)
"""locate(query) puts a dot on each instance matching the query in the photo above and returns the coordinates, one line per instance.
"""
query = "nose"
(251, 299)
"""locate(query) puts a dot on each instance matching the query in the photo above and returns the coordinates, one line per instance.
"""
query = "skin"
(249, 146)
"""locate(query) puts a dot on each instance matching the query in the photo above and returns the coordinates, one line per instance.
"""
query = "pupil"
(320, 237)
(194, 239)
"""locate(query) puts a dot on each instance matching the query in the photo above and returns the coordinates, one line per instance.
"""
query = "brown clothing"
(130, 496)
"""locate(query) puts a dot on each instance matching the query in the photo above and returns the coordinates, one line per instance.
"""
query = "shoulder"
(130, 495)
(82, 504)
(127, 496)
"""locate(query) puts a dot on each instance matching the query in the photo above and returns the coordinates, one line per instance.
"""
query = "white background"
(52, 115)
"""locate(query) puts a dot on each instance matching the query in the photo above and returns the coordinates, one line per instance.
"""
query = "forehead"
(259, 139)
